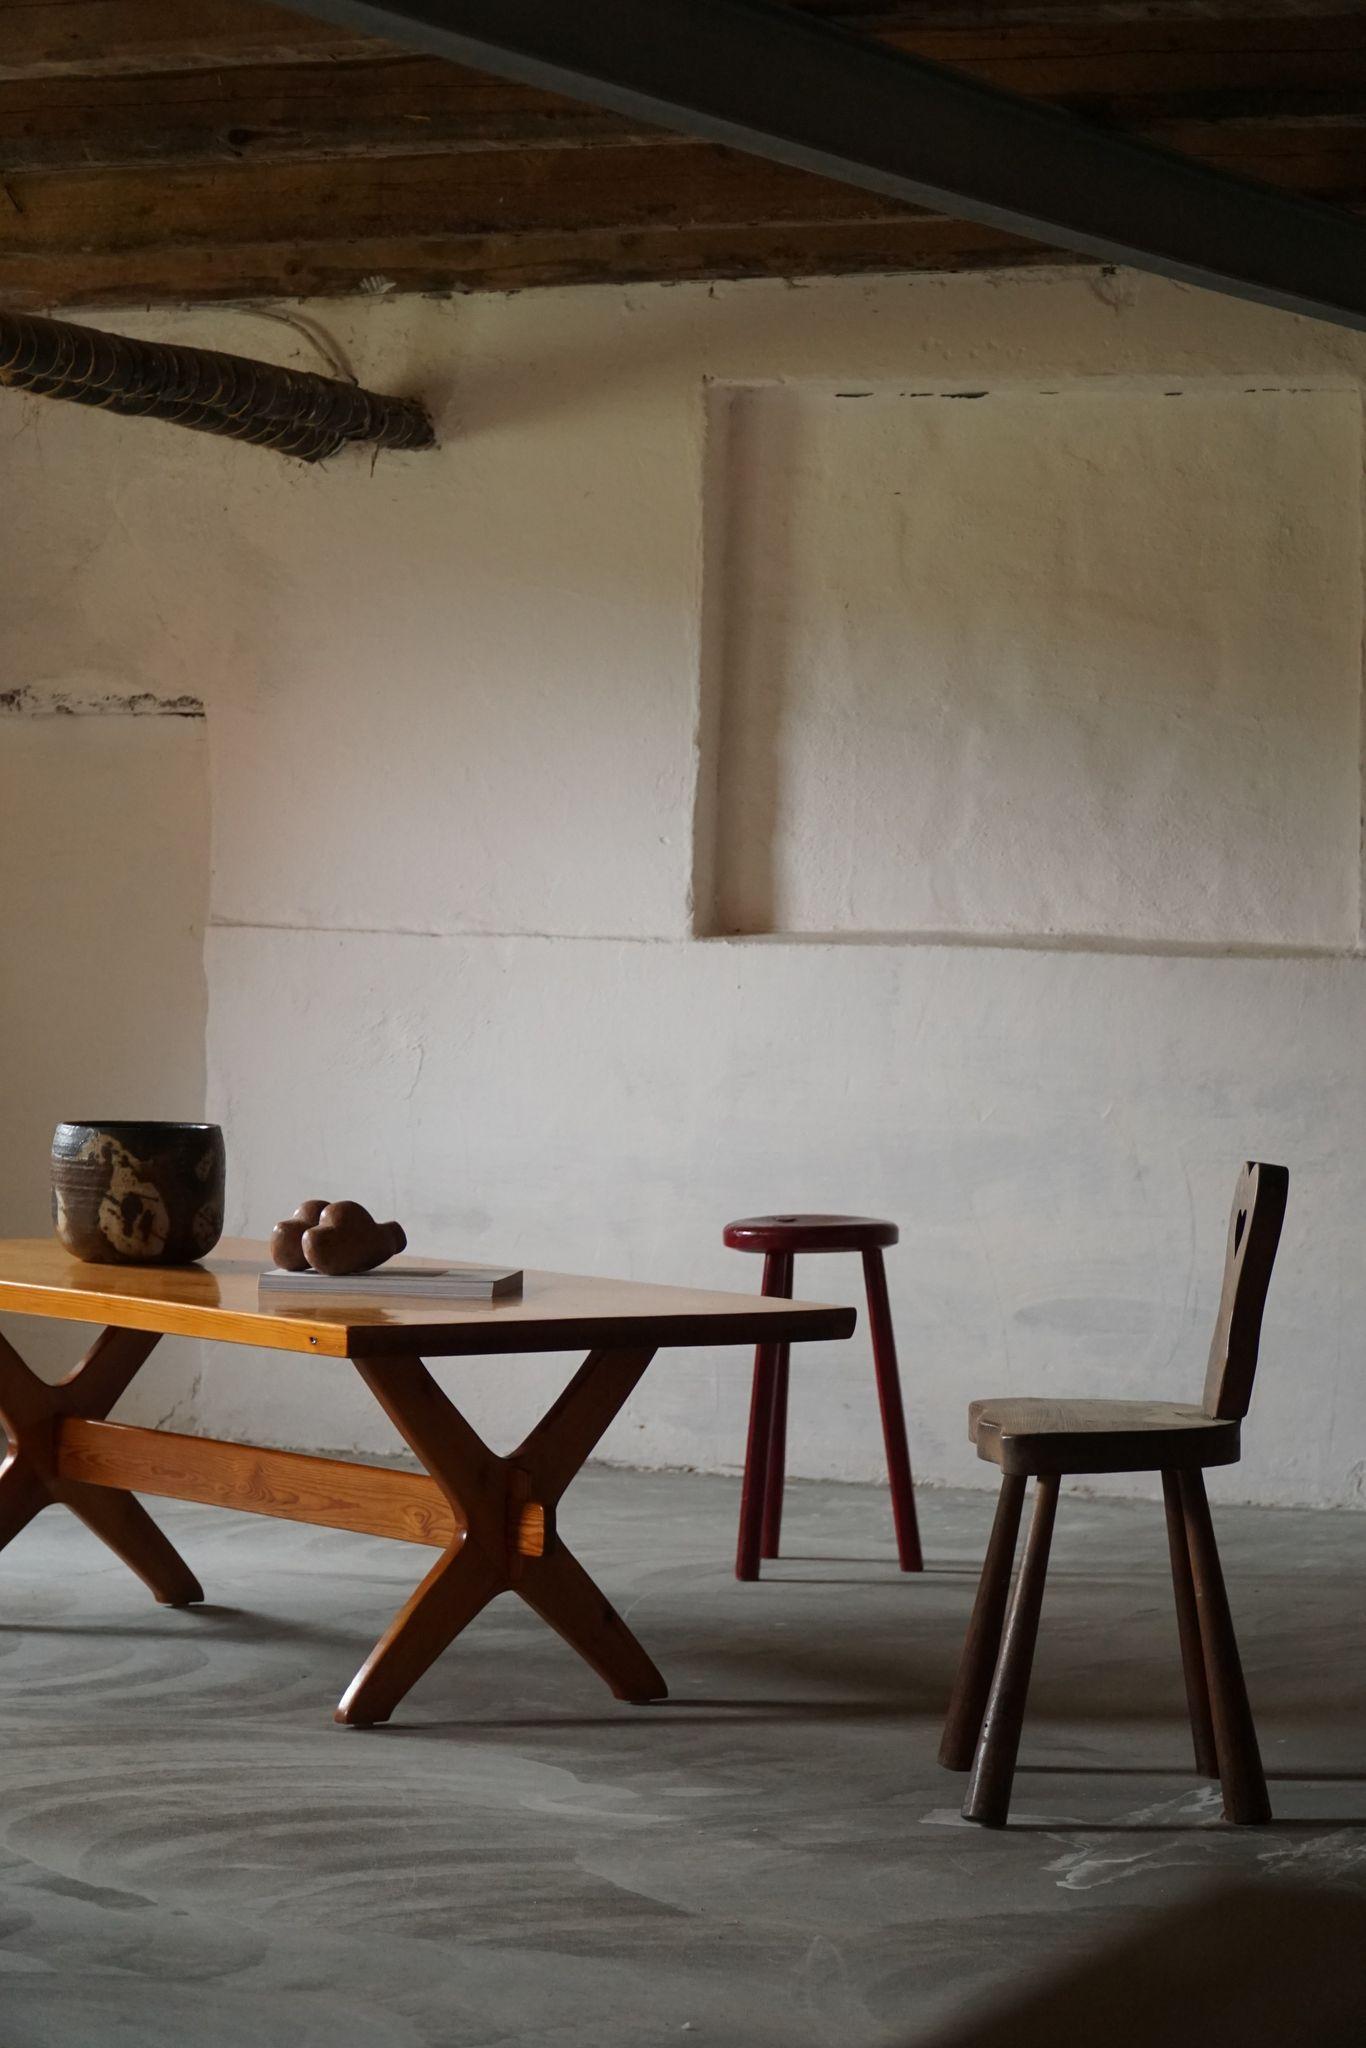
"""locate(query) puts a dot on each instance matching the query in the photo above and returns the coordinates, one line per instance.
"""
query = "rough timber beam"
(780, 84)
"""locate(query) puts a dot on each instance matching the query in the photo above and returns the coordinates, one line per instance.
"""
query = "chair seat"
(1099, 1436)
(809, 1234)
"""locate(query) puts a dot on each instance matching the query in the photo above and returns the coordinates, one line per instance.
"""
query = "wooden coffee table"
(492, 1518)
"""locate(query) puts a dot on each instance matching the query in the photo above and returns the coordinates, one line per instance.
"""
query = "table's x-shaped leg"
(30, 1411)
(496, 1515)
(506, 1539)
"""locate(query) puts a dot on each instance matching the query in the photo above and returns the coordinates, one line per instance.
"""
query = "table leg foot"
(22, 1494)
(558, 1588)
(459, 1584)
(32, 1413)
(125, 1525)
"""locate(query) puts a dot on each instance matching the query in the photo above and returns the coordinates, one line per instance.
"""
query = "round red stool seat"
(809, 1234)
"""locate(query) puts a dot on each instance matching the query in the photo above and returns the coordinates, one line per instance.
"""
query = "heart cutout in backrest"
(1239, 1227)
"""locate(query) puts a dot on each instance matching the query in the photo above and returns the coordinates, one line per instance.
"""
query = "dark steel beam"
(785, 85)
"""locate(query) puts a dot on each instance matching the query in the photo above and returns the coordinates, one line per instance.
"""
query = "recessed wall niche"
(1079, 662)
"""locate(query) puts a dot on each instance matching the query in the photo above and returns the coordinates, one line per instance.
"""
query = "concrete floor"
(191, 1853)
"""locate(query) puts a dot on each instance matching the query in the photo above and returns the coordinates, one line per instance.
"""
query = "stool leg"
(1188, 1628)
(754, 1487)
(1235, 1737)
(777, 1436)
(993, 1773)
(893, 1415)
(982, 1645)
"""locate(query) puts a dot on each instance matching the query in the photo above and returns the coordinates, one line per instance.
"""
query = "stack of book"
(401, 1280)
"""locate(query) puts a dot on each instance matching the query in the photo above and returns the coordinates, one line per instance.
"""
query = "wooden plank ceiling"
(158, 152)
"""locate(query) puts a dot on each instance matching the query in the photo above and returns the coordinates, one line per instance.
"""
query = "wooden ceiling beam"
(406, 224)
(1025, 45)
(269, 114)
(670, 186)
(790, 88)
(325, 266)
(1173, 83)
(675, 184)
(102, 38)
(233, 150)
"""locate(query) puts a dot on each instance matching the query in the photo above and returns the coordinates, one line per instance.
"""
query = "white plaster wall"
(1079, 660)
(104, 854)
(463, 718)
(1056, 1132)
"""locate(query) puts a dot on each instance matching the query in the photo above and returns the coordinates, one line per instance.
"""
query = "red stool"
(780, 1238)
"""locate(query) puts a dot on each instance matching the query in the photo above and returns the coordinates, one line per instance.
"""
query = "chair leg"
(982, 1644)
(1188, 1628)
(1235, 1737)
(754, 1487)
(993, 1773)
(908, 1550)
(777, 1456)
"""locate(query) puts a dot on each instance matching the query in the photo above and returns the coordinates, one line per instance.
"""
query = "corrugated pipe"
(294, 411)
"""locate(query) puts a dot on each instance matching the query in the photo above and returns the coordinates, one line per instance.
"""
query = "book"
(399, 1280)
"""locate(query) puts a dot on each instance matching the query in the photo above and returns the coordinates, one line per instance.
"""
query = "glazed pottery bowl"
(138, 1194)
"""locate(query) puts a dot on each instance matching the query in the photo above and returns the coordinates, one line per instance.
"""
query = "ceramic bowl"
(138, 1194)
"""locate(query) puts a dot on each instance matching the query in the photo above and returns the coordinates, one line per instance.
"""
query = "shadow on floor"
(1232, 1968)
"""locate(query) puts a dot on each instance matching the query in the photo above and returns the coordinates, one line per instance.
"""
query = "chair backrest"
(1254, 1231)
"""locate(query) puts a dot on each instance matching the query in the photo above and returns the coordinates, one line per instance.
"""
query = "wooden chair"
(780, 1238)
(1049, 1439)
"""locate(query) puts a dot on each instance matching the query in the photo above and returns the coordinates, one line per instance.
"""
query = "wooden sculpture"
(335, 1238)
